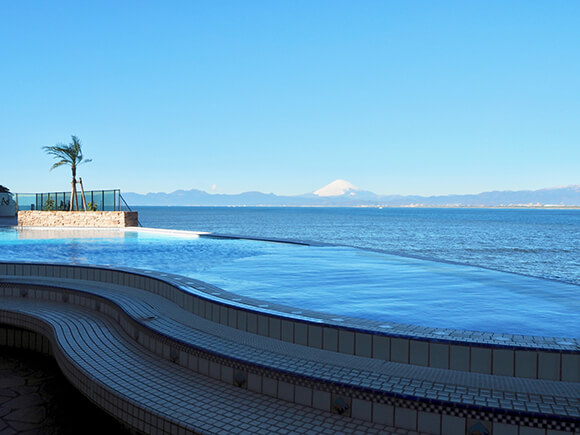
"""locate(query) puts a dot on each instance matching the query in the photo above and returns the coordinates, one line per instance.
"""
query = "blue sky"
(408, 97)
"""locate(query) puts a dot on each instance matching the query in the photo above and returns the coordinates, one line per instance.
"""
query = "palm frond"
(57, 164)
(70, 154)
(60, 151)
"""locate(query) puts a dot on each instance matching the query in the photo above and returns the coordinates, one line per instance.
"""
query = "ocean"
(534, 242)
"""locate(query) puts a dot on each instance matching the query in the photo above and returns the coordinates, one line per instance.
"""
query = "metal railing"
(100, 200)
(129, 209)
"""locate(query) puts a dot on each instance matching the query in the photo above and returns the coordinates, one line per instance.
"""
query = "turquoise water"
(338, 280)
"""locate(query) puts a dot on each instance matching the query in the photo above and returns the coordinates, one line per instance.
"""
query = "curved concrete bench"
(408, 396)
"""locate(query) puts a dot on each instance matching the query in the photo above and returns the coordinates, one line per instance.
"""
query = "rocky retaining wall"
(36, 218)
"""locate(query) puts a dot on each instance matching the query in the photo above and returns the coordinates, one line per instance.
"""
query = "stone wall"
(36, 218)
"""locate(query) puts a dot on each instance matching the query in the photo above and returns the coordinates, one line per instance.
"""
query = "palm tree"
(71, 155)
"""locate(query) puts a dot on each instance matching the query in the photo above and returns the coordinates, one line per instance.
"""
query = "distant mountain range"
(341, 193)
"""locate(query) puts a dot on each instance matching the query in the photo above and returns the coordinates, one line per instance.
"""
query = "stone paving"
(35, 398)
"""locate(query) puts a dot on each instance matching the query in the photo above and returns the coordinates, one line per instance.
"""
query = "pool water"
(332, 279)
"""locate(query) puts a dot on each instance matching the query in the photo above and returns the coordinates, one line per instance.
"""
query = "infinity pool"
(332, 279)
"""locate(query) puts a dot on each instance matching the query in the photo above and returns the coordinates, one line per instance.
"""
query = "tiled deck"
(8, 221)
(202, 375)
(152, 394)
(36, 399)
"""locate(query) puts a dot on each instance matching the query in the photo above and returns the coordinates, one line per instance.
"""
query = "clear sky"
(285, 96)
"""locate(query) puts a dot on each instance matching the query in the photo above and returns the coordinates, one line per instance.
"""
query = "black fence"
(97, 200)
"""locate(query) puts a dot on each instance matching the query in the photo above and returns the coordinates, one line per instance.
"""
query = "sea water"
(437, 290)
(535, 242)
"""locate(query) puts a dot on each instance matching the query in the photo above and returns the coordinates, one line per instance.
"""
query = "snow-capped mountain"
(337, 188)
(342, 190)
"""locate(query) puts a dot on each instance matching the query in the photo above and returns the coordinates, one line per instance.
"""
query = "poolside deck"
(8, 221)
(159, 368)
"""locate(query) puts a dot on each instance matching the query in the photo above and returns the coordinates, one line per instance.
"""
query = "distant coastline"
(515, 206)
(488, 207)
(341, 193)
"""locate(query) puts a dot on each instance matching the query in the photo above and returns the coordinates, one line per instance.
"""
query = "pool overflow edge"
(503, 354)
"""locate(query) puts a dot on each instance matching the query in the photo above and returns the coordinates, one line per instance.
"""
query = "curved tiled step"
(153, 395)
(530, 357)
(360, 380)
(164, 317)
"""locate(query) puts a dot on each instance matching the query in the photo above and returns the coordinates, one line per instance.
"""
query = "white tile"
(570, 367)
(214, 370)
(232, 317)
(321, 400)
(254, 382)
(269, 386)
(439, 355)
(227, 374)
(223, 315)
(199, 308)
(301, 333)
(203, 366)
(524, 430)
(252, 322)
(459, 357)
(429, 422)
(362, 409)
(315, 336)
(383, 414)
(503, 362)
(287, 331)
(274, 328)
(286, 391)
(399, 350)
(346, 342)
(419, 353)
(262, 325)
(363, 344)
(406, 418)
(451, 425)
(192, 362)
(480, 360)
(549, 366)
(303, 395)
(215, 312)
(241, 320)
(330, 339)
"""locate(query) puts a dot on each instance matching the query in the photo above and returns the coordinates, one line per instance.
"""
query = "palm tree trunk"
(72, 195)
(83, 194)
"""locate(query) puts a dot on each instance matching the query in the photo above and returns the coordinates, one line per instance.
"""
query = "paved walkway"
(35, 398)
